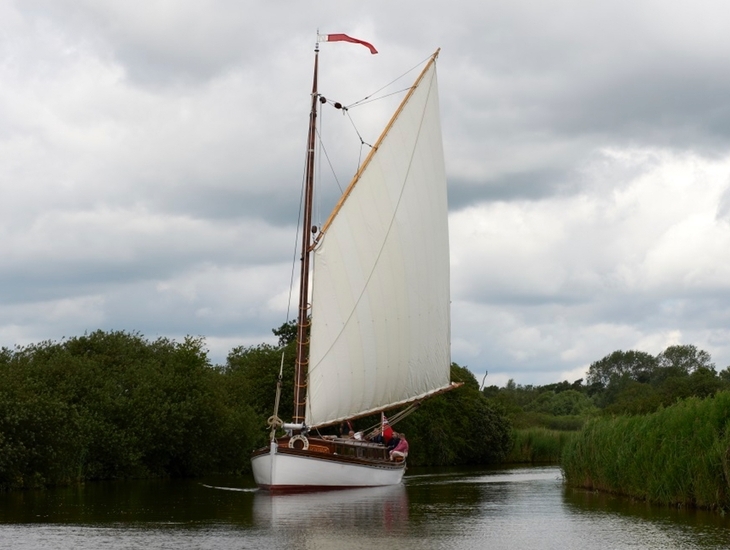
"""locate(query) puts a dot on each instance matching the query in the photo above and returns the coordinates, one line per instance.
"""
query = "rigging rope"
(359, 103)
(367, 98)
(393, 420)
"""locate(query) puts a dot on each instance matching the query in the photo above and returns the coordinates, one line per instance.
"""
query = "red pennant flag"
(345, 38)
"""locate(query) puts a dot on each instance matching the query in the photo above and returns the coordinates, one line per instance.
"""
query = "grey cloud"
(532, 186)
(199, 113)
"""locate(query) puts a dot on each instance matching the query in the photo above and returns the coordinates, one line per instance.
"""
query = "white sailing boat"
(376, 335)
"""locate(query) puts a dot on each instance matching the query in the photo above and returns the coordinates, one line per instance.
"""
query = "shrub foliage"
(111, 405)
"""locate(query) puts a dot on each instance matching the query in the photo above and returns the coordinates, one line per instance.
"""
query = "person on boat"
(393, 442)
(377, 438)
(387, 433)
(346, 429)
(400, 451)
(384, 437)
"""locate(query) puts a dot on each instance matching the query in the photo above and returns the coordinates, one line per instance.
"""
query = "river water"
(502, 508)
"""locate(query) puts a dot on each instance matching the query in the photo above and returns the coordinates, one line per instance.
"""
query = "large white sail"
(380, 301)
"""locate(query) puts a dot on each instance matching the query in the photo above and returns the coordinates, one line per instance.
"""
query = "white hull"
(279, 471)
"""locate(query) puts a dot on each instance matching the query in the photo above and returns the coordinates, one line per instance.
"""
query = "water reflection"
(180, 502)
(352, 511)
(495, 508)
(687, 528)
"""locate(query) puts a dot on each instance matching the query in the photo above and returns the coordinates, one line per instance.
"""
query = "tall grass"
(679, 455)
(538, 445)
(567, 423)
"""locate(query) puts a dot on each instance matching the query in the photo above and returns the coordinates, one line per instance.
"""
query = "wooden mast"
(302, 359)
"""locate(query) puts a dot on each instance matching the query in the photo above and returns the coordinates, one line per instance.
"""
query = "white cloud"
(567, 280)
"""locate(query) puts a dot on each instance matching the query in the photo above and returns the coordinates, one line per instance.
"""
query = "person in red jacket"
(385, 429)
(400, 451)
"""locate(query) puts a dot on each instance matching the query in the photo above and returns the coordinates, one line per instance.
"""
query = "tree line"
(623, 382)
(114, 405)
(111, 405)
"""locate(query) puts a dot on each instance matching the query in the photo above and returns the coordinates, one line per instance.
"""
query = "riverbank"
(678, 456)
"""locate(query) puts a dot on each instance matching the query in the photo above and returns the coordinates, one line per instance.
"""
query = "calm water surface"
(515, 508)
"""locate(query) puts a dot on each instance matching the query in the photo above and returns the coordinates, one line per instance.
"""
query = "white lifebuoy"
(299, 437)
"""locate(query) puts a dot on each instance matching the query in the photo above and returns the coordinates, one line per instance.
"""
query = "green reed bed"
(676, 456)
(538, 445)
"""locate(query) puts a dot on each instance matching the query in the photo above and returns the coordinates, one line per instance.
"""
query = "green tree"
(566, 403)
(636, 365)
(111, 405)
(633, 397)
(724, 375)
(287, 332)
(631, 383)
(254, 371)
(459, 427)
(685, 359)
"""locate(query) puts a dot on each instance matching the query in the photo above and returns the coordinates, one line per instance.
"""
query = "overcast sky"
(151, 159)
